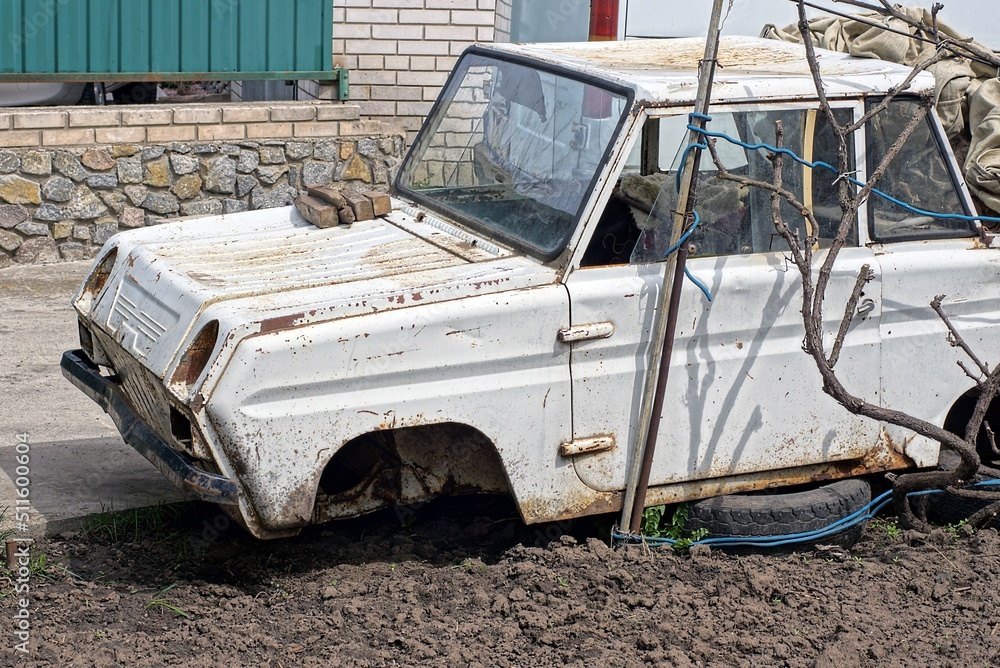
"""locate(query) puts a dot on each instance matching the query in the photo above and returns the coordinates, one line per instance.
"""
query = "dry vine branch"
(955, 339)
(963, 49)
(814, 296)
(865, 276)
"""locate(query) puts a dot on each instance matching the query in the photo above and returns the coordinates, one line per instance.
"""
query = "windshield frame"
(447, 95)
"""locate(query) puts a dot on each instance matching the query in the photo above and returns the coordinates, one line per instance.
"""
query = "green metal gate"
(167, 40)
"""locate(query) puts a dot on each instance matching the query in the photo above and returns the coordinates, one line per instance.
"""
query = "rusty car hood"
(271, 270)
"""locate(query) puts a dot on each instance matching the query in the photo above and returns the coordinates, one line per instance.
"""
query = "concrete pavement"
(78, 464)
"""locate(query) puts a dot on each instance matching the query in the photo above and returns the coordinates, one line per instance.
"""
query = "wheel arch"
(408, 465)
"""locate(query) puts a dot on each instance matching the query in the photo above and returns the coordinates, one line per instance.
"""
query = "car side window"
(735, 219)
(919, 176)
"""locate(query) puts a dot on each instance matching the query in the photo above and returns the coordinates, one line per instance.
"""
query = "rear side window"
(736, 220)
(919, 176)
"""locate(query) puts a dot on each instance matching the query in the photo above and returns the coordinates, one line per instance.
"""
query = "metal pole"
(635, 521)
(656, 378)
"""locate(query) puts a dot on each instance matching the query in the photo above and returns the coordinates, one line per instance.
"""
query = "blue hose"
(819, 164)
(863, 514)
(680, 242)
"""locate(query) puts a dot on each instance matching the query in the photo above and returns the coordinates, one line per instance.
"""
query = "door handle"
(866, 306)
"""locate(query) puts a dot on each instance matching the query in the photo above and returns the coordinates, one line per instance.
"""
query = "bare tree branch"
(883, 104)
(851, 198)
(814, 297)
(977, 378)
(935, 8)
(985, 515)
(988, 390)
(798, 258)
(955, 339)
(864, 276)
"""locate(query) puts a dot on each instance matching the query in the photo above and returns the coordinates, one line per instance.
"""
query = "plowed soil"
(464, 583)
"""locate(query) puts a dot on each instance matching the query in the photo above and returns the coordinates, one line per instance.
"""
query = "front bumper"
(176, 467)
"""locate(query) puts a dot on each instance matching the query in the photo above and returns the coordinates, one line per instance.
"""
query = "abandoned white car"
(492, 333)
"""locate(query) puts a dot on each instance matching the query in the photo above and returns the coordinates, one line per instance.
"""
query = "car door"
(742, 396)
(924, 257)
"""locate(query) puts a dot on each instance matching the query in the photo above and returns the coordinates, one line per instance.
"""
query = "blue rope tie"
(680, 242)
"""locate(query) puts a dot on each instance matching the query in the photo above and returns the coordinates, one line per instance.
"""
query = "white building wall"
(399, 52)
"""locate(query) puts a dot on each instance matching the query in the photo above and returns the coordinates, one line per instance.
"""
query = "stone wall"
(61, 200)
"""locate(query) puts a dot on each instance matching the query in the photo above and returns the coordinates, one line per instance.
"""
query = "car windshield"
(514, 151)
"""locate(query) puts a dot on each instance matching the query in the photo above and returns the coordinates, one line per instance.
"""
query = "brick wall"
(400, 52)
(74, 126)
(505, 12)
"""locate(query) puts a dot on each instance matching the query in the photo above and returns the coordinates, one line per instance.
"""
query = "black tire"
(947, 509)
(780, 513)
(136, 93)
(88, 98)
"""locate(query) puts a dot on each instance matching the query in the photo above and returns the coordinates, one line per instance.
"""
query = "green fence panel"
(165, 35)
(133, 36)
(51, 37)
(280, 22)
(71, 28)
(194, 27)
(39, 45)
(11, 40)
(103, 24)
(224, 47)
(312, 36)
(253, 45)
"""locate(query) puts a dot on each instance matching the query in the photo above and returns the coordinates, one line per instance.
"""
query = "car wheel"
(780, 513)
(947, 509)
(88, 98)
(136, 93)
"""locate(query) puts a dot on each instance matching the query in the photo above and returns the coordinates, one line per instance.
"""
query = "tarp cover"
(967, 93)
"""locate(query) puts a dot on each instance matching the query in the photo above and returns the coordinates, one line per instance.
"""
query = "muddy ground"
(463, 582)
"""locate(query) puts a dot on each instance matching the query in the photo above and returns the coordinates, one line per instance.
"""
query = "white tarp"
(967, 93)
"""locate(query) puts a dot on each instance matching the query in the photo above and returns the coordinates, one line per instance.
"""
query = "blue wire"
(685, 236)
(680, 242)
(823, 165)
(818, 164)
(864, 513)
(701, 286)
(684, 155)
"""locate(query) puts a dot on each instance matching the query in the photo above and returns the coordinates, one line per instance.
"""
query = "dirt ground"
(463, 582)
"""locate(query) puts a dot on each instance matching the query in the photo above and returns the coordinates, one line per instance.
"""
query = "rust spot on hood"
(279, 323)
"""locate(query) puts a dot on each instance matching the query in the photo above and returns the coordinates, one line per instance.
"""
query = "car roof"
(664, 71)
